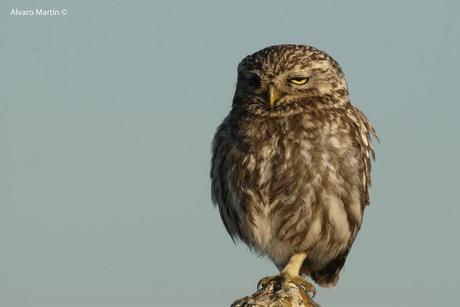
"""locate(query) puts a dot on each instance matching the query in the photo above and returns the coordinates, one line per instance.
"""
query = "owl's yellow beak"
(273, 95)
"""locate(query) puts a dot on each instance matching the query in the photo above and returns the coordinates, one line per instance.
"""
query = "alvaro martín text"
(35, 12)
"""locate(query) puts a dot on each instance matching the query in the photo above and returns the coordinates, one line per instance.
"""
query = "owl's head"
(284, 76)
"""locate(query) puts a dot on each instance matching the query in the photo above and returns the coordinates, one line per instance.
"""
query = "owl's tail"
(326, 280)
(328, 276)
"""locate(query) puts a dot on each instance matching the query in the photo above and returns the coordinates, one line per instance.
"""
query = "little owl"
(291, 163)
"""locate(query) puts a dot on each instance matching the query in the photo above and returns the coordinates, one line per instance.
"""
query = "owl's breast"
(298, 183)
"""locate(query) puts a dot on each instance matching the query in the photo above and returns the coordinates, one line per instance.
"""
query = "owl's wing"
(365, 131)
(220, 188)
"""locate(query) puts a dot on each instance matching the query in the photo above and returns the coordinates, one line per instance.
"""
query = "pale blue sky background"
(106, 119)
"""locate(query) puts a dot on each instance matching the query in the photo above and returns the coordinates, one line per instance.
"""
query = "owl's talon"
(265, 281)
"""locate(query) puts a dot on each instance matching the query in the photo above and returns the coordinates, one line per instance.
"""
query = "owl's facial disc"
(282, 78)
(274, 90)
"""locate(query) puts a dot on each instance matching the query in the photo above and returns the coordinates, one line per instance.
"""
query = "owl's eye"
(251, 78)
(298, 80)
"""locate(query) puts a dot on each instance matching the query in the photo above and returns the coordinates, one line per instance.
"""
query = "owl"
(290, 169)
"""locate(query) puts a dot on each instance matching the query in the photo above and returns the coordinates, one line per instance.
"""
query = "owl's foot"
(281, 280)
(303, 284)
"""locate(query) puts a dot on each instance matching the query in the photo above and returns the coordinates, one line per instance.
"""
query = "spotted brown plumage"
(291, 162)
